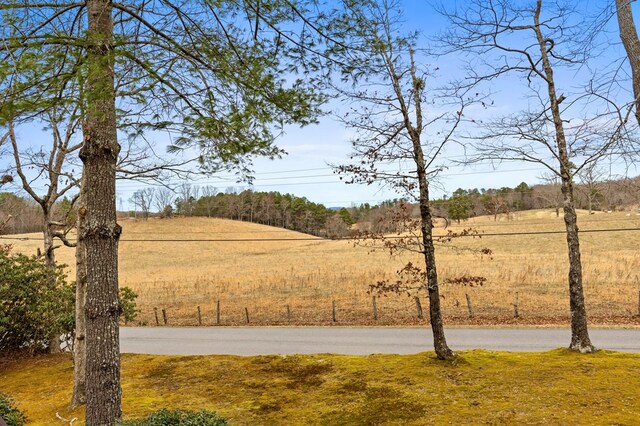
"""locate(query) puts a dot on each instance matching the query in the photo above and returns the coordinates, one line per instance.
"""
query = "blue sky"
(305, 171)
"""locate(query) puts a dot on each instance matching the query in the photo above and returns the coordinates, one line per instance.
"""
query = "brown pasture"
(172, 264)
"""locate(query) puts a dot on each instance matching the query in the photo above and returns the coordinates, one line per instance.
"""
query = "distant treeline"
(271, 208)
(299, 214)
(592, 196)
(20, 215)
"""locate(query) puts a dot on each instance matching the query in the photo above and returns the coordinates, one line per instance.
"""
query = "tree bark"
(426, 221)
(579, 333)
(50, 260)
(629, 37)
(101, 231)
(79, 396)
(435, 312)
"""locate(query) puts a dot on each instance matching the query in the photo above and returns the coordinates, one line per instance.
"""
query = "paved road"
(355, 341)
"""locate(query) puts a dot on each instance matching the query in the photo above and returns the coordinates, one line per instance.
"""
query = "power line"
(584, 231)
(517, 223)
(232, 240)
(184, 240)
(218, 232)
(226, 180)
(271, 185)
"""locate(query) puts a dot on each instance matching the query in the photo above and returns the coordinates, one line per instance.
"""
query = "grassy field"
(481, 387)
(264, 276)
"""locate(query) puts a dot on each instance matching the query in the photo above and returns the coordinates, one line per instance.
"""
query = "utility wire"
(231, 240)
(230, 184)
(479, 225)
(132, 185)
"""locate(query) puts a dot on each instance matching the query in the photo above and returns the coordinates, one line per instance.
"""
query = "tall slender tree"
(564, 129)
(398, 119)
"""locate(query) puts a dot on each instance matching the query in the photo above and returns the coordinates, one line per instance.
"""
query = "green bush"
(128, 304)
(9, 413)
(178, 418)
(35, 302)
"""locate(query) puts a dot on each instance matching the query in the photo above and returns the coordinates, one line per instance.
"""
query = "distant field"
(273, 270)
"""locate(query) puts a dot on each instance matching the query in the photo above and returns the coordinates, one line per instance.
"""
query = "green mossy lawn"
(557, 387)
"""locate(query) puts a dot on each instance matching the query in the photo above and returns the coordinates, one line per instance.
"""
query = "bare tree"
(563, 129)
(185, 199)
(550, 193)
(399, 120)
(143, 199)
(335, 227)
(164, 198)
(629, 37)
(268, 208)
(60, 178)
(632, 188)
(590, 178)
(494, 204)
(208, 194)
(252, 204)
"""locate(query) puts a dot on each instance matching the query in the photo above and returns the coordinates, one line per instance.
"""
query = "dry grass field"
(267, 269)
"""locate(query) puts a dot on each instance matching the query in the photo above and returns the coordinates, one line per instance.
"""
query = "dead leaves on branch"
(412, 278)
(403, 232)
(400, 231)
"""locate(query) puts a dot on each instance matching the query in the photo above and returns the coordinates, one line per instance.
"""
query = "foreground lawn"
(556, 387)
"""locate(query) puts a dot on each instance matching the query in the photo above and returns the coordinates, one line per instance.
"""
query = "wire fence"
(463, 308)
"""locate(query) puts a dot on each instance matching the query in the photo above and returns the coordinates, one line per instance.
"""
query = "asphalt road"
(355, 341)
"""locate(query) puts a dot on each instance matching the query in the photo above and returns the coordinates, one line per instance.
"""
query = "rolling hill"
(284, 277)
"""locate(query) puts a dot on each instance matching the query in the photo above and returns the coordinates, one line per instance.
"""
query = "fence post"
(218, 312)
(155, 313)
(246, 314)
(334, 311)
(199, 316)
(288, 313)
(469, 305)
(375, 308)
(164, 316)
(418, 307)
(515, 307)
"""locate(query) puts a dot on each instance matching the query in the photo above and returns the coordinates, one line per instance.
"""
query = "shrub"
(128, 304)
(178, 418)
(35, 302)
(9, 413)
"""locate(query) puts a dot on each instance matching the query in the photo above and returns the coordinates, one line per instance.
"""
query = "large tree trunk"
(629, 37)
(80, 344)
(579, 334)
(101, 232)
